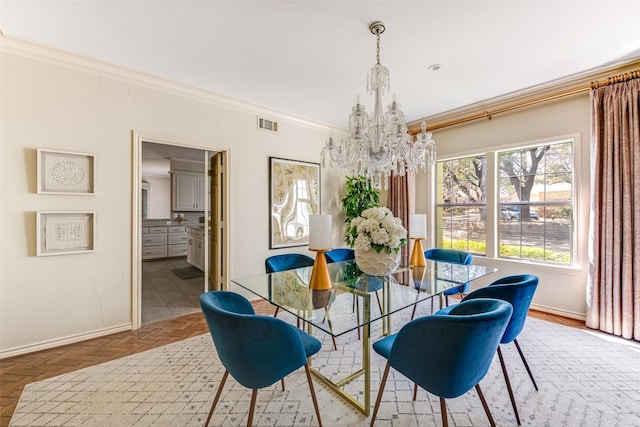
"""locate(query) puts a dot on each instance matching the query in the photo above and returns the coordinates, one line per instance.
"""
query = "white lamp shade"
(320, 232)
(418, 226)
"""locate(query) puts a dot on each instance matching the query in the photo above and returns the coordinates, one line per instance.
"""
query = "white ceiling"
(310, 58)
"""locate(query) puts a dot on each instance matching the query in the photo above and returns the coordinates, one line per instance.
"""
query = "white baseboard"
(44, 345)
(559, 312)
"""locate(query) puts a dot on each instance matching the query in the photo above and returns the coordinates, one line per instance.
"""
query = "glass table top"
(334, 310)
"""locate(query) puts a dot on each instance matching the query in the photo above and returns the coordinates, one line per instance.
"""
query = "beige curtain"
(613, 288)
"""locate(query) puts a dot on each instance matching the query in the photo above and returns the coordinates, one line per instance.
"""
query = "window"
(536, 203)
(461, 204)
(533, 200)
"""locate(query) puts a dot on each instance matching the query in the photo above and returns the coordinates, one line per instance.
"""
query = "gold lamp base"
(320, 278)
(417, 256)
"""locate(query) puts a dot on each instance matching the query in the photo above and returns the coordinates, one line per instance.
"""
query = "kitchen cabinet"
(195, 247)
(164, 241)
(188, 191)
(154, 242)
(177, 239)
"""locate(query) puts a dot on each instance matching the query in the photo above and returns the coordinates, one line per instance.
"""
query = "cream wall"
(58, 101)
(159, 196)
(560, 290)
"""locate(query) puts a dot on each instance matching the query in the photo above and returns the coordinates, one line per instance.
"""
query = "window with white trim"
(461, 204)
(536, 203)
(533, 200)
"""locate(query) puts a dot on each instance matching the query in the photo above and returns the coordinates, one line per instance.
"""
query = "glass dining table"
(347, 307)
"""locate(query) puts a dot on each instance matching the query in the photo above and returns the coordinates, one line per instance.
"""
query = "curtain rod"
(550, 97)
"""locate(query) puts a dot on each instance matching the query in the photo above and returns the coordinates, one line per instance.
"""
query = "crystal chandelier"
(379, 146)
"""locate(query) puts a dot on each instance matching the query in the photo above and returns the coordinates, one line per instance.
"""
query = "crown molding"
(560, 88)
(32, 50)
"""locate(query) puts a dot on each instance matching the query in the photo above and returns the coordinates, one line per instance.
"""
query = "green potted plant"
(359, 196)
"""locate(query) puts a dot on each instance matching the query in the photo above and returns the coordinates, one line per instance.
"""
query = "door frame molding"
(136, 214)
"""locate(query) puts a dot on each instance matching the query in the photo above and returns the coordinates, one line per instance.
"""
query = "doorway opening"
(179, 253)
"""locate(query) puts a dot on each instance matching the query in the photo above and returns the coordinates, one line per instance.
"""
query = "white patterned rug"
(585, 379)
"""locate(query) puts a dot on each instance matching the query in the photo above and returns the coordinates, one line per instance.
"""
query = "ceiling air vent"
(267, 124)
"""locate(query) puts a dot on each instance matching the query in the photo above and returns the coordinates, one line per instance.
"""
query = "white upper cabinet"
(188, 191)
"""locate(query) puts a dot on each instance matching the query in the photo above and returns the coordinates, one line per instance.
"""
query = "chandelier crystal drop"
(379, 146)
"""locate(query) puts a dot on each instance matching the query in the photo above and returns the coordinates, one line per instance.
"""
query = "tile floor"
(164, 294)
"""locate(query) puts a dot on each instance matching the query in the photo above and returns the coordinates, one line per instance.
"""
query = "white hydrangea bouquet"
(377, 228)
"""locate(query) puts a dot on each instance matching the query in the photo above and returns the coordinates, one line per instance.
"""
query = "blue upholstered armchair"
(340, 254)
(452, 256)
(470, 331)
(256, 350)
(518, 290)
(286, 262)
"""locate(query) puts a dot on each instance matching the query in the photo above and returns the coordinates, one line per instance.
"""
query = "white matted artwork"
(63, 172)
(60, 233)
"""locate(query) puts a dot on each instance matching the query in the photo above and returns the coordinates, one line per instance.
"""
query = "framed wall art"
(62, 172)
(60, 233)
(294, 194)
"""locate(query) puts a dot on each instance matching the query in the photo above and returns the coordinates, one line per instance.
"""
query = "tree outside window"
(533, 203)
(461, 204)
(536, 203)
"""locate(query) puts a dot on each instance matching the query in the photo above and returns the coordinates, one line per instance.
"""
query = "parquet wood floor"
(16, 372)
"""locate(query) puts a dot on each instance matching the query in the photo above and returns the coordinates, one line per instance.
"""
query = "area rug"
(584, 378)
(188, 272)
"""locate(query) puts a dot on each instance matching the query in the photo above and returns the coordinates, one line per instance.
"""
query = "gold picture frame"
(294, 194)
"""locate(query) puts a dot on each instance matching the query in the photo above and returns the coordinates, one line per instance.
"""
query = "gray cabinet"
(195, 247)
(154, 242)
(164, 241)
(188, 190)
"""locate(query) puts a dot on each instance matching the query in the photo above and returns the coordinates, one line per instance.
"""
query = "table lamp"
(417, 232)
(320, 242)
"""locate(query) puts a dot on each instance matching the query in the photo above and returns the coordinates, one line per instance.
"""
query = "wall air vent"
(267, 124)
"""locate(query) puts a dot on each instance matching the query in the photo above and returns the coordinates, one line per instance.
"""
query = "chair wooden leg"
(415, 391)
(282, 382)
(326, 316)
(379, 303)
(526, 365)
(443, 411)
(276, 313)
(509, 389)
(252, 407)
(313, 393)
(413, 313)
(215, 399)
(379, 398)
(485, 406)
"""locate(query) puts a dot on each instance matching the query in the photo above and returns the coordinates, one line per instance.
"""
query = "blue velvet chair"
(340, 254)
(452, 256)
(468, 336)
(285, 262)
(517, 290)
(256, 350)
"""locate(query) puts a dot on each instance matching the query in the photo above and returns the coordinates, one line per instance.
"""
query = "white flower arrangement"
(377, 228)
